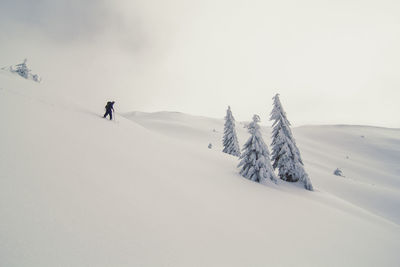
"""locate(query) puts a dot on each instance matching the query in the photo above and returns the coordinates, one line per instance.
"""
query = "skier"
(109, 109)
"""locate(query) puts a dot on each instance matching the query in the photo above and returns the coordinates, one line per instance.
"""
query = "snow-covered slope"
(368, 156)
(78, 190)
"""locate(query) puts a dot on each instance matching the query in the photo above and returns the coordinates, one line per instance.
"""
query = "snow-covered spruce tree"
(285, 154)
(230, 141)
(22, 69)
(255, 162)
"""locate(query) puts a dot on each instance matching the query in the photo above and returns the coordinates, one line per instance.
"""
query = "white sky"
(333, 62)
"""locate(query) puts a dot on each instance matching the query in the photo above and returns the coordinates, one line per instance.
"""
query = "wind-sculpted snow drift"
(78, 190)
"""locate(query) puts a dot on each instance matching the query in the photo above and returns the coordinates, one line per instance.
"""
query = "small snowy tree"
(36, 78)
(285, 154)
(338, 172)
(230, 141)
(255, 162)
(22, 69)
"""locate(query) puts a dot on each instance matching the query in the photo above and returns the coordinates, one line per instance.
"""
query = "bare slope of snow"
(78, 190)
(369, 158)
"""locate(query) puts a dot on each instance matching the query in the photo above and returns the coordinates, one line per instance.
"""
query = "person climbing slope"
(109, 109)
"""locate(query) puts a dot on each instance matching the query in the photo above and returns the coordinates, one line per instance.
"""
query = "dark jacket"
(109, 106)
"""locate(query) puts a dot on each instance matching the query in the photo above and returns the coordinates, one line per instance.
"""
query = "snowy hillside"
(368, 156)
(79, 190)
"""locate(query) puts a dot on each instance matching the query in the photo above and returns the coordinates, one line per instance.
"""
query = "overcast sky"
(333, 62)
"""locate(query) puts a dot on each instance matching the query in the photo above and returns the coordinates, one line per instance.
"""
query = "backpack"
(109, 105)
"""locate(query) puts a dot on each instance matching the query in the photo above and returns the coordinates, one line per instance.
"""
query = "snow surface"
(79, 190)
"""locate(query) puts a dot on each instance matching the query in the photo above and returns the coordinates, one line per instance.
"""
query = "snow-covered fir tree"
(255, 162)
(285, 154)
(22, 69)
(230, 141)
